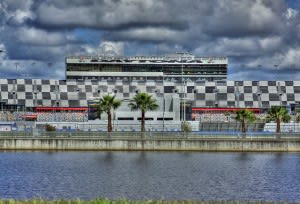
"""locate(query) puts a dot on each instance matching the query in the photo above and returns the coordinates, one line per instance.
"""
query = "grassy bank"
(106, 201)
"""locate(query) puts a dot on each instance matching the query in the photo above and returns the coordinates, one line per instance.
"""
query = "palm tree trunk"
(109, 124)
(278, 128)
(243, 126)
(143, 122)
(143, 128)
(244, 129)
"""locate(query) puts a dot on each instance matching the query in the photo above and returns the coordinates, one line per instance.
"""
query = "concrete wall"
(152, 145)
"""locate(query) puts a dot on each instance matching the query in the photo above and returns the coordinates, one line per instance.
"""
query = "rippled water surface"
(150, 175)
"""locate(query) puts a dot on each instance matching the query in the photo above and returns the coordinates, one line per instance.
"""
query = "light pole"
(164, 112)
(237, 95)
(35, 92)
(216, 91)
(17, 64)
(277, 69)
(57, 93)
(1, 104)
(114, 113)
(57, 115)
(14, 92)
(258, 93)
(184, 102)
(164, 100)
(279, 92)
(1, 51)
(183, 92)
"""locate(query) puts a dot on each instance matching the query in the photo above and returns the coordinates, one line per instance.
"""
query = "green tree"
(186, 127)
(298, 116)
(228, 115)
(50, 128)
(106, 104)
(244, 116)
(278, 114)
(144, 102)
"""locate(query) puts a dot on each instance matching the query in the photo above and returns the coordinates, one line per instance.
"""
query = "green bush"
(50, 128)
(186, 127)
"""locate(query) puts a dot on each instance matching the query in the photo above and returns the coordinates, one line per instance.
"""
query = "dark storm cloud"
(236, 18)
(110, 15)
(252, 33)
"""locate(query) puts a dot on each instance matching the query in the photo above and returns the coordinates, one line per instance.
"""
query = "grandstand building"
(174, 67)
(183, 85)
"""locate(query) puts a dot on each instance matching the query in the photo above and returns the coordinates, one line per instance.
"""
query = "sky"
(261, 38)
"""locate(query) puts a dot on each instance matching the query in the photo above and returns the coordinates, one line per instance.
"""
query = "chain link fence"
(155, 135)
(154, 130)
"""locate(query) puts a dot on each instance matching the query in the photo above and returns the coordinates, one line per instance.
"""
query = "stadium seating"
(46, 116)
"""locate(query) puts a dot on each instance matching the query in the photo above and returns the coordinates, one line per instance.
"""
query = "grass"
(124, 201)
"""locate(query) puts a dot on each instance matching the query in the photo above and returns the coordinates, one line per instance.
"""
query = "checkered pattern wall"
(69, 93)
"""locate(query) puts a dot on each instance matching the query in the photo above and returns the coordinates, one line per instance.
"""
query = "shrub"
(50, 128)
(186, 127)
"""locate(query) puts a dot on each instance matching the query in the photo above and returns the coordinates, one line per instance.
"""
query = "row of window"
(201, 80)
(145, 68)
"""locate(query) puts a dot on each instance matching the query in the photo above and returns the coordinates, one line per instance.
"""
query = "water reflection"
(109, 156)
(150, 175)
(279, 156)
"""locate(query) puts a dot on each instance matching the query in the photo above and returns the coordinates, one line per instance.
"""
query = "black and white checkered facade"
(74, 93)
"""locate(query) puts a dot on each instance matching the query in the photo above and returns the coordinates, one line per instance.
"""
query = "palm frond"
(278, 113)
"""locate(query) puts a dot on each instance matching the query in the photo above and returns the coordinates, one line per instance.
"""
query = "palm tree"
(227, 115)
(106, 104)
(278, 114)
(297, 117)
(144, 102)
(244, 116)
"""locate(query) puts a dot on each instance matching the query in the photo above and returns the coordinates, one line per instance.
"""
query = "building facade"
(180, 66)
(171, 95)
(180, 83)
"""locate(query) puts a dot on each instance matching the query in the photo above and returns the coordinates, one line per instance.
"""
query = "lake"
(150, 175)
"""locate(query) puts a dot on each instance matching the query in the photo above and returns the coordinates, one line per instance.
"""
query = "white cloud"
(291, 13)
(40, 37)
(16, 11)
(229, 47)
(263, 32)
(261, 15)
(148, 34)
(111, 48)
(291, 57)
(270, 43)
(20, 16)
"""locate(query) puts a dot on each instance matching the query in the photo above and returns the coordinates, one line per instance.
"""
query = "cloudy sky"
(261, 38)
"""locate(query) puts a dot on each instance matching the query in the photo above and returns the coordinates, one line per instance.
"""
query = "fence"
(147, 135)
(172, 126)
(154, 130)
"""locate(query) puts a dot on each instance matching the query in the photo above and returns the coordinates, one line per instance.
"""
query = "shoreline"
(199, 145)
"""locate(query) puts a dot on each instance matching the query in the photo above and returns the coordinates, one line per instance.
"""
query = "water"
(150, 175)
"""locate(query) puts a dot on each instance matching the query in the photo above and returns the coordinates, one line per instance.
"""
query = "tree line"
(144, 102)
(277, 114)
(141, 101)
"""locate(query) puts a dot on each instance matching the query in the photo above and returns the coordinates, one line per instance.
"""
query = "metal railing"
(147, 135)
